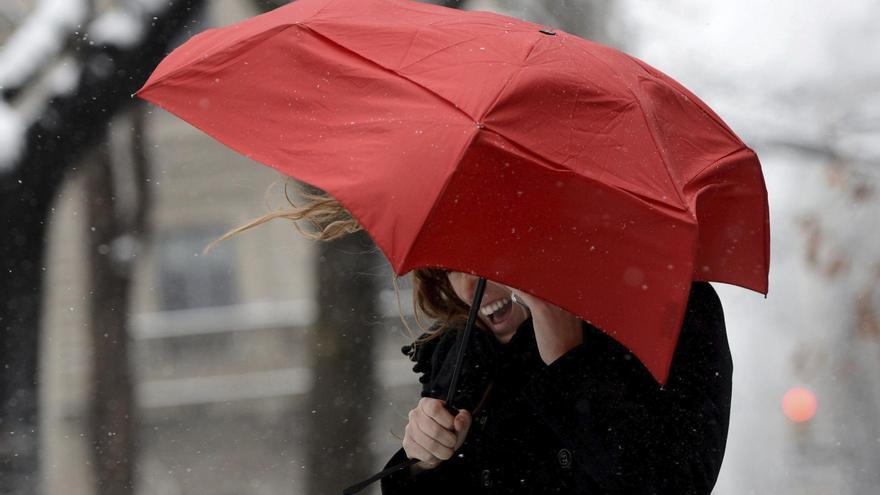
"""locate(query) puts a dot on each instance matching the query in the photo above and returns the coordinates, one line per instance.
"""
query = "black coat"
(593, 421)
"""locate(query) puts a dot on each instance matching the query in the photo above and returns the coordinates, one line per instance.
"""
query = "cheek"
(457, 287)
(461, 295)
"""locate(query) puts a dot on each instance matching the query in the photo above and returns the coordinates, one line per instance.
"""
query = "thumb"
(461, 424)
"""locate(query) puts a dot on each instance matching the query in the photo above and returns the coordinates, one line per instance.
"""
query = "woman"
(560, 407)
(547, 403)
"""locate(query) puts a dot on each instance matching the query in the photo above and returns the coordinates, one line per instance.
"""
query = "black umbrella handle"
(463, 338)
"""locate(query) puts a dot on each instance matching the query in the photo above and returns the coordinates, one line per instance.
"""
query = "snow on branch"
(27, 53)
(38, 41)
(34, 57)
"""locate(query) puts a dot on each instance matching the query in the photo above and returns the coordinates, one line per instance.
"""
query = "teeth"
(495, 306)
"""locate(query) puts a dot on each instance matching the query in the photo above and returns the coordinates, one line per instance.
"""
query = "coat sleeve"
(443, 479)
(447, 477)
(626, 433)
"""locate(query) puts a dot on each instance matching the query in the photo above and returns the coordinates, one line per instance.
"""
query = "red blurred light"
(799, 404)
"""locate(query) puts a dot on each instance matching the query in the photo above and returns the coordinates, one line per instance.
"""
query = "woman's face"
(497, 311)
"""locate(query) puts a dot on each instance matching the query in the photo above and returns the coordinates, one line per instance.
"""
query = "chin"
(504, 336)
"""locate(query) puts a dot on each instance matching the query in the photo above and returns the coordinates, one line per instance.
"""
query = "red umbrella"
(485, 144)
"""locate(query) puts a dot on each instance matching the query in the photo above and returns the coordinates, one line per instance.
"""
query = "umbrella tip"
(548, 32)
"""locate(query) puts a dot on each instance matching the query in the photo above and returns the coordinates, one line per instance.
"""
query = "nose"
(469, 285)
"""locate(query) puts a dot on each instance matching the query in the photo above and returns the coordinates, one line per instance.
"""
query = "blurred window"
(189, 280)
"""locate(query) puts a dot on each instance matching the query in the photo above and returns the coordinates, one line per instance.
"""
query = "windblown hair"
(433, 294)
(328, 218)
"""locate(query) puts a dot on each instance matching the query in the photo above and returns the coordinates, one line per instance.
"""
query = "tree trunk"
(340, 403)
(111, 413)
(117, 227)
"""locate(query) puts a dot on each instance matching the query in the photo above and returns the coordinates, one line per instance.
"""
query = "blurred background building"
(220, 347)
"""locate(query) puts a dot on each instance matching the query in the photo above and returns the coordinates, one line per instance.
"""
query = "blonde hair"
(432, 293)
(329, 219)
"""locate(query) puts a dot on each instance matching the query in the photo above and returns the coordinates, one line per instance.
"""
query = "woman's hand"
(433, 434)
(556, 330)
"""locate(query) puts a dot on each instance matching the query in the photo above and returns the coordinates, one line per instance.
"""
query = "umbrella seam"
(324, 7)
(377, 64)
(713, 162)
(445, 186)
(645, 118)
(652, 202)
(700, 104)
(507, 83)
(402, 68)
(186, 67)
(675, 185)
(577, 99)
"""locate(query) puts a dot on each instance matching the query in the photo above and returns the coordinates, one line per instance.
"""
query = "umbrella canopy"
(480, 143)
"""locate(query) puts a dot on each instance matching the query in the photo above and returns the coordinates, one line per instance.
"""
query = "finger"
(434, 430)
(415, 451)
(435, 410)
(436, 448)
(463, 422)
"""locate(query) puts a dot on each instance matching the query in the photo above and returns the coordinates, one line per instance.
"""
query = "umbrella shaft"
(463, 338)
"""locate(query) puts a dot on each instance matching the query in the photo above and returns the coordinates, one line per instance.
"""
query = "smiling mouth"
(498, 311)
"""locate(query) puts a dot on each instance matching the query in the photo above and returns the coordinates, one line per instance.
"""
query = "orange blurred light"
(799, 404)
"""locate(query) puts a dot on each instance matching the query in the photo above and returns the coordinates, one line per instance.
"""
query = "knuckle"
(443, 452)
(434, 405)
(452, 438)
(435, 430)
